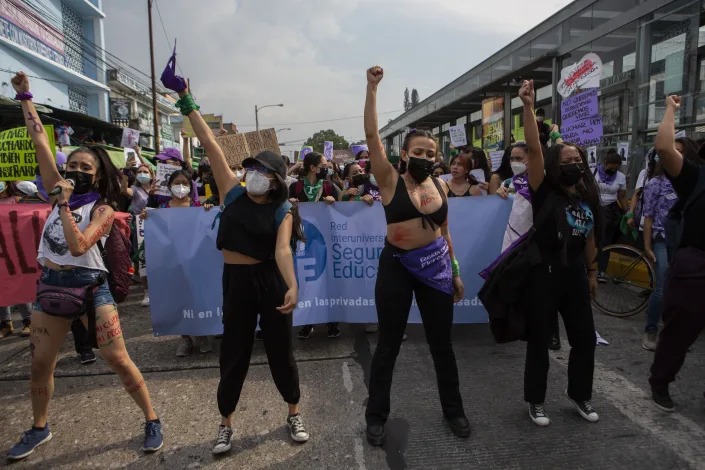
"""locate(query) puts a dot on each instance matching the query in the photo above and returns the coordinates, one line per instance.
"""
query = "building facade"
(60, 43)
(648, 49)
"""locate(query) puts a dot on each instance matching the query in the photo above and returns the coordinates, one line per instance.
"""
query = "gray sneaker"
(185, 347)
(650, 341)
(205, 344)
(223, 442)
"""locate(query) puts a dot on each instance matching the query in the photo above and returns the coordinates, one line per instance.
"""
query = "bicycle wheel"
(628, 284)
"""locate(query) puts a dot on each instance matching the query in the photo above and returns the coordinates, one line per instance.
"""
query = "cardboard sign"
(328, 150)
(496, 159)
(584, 74)
(623, 151)
(591, 157)
(214, 121)
(583, 133)
(238, 147)
(18, 159)
(130, 138)
(458, 138)
(164, 171)
(270, 140)
(579, 107)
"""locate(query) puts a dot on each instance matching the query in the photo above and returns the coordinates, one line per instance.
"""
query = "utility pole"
(154, 83)
(256, 119)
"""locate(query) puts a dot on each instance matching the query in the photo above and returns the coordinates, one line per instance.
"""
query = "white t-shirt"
(608, 192)
(640, 180)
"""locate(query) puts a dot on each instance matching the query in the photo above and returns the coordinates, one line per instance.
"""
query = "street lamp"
(257, 108)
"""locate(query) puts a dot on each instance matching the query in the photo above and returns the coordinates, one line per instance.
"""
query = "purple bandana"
(604, 176)
(521, 185)
(430, 264)
(80, 200)
(169, 78)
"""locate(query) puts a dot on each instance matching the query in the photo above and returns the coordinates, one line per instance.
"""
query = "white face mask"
(373, 181)
(518, 168)
(143, 178)
(239, 174)
(256, 183)
(180, 190)
(3, 186)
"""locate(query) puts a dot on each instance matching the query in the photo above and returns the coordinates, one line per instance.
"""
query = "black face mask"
(322, 173)
(420, 169)
(570, 174)
(83, 182)
(610, 171)
(359, 180)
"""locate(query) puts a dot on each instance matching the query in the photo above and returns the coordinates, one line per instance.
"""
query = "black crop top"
(248, 228)
(401, 209)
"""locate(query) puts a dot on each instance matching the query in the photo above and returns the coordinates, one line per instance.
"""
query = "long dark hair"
(464, 160)
(278, 196)
(650, 165)
(108, 186)
(185, 173)
(690, 150)
(587, 189)
(311, 159)
(505, 169)
(479, 160)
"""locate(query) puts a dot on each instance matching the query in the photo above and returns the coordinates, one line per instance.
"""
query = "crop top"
(401, 209)
(248, 228)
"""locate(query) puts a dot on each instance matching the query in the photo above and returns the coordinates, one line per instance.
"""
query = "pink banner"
(21, 227)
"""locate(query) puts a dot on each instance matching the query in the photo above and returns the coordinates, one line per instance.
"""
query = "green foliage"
(317, 139)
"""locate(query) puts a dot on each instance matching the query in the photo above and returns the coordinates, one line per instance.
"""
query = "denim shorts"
(77, 277)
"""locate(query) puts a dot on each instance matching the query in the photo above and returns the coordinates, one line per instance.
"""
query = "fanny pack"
(429, 264)
(68, 302)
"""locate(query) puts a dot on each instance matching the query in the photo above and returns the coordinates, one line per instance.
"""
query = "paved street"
(96, 425)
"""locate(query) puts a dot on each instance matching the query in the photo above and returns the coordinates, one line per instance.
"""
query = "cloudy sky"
(311, 55)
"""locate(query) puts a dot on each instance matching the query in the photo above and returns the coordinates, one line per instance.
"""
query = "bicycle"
(628, 282)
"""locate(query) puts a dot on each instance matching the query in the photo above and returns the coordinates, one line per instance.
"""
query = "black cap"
(267, 159)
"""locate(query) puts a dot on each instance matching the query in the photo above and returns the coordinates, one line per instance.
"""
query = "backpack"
(279, 215)
(326, 188)
(116, 257)
(504, 292)
(673, 223)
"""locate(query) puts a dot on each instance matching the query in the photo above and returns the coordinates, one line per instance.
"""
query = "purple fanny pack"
(65, 301)
(430, 264)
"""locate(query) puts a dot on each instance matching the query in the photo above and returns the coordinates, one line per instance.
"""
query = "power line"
(317, 122)
(40, 78)
(166, 36)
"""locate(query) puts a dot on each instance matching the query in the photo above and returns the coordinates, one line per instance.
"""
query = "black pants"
(611, 217)
(683, 315)
(393, 294)
(249, 290)
(554, 288)
(81, 337)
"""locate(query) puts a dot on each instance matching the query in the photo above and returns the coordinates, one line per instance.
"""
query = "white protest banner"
(591, 157)
(328, 150)
(164, 171)
(458, 138)
(583, 74)
(130, 137)
(496, 159)
(623, 151)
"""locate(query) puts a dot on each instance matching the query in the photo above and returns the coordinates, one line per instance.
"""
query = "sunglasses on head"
(260, 169)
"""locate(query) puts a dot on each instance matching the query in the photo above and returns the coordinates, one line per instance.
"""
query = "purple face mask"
(169, 78)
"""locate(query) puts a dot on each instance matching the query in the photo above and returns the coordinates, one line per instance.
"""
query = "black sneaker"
(87, 357)
(375, 434)
(223, 441)
(585, 409)
(296, 426)
(555, 343)
(333, 330)
(538, 415)
(602, 277)
(259, 336)
(305, 332)
(662, 400)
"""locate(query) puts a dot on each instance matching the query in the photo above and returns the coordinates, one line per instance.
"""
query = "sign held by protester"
(583, 133)
(164, 171)
(238, 147)
(18, 158)
(579, 107)
(583, 74)
(130, 138)
(496, 159)
(623, 152)
(328, 150)
(458, 138)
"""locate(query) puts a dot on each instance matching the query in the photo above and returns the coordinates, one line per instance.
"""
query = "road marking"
(359, 454)
(347, 378)
(635, 403)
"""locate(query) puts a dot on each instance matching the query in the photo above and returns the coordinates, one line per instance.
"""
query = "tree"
(317, 139)
(407, 102)
(414, 98)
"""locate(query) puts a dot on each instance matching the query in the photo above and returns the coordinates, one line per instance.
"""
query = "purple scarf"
(521, 185)
(430, 264)
(604, 176)
(80, 200)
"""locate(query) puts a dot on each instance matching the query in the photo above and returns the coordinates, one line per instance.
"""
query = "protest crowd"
(564, 210)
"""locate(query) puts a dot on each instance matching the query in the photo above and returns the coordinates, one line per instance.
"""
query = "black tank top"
(401, 209)
(452, 194)
(248, 228)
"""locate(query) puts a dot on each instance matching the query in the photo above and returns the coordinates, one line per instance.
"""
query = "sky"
(311, 55)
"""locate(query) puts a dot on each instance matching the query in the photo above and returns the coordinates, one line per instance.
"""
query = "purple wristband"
(24, 96)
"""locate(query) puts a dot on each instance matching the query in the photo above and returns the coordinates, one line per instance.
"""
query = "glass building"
(648, 50)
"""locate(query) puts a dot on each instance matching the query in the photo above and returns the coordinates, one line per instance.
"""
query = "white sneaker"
(145, 301)
(184, 348)
(223, 442)
(538, 415)
(296, 426)
(585, 409)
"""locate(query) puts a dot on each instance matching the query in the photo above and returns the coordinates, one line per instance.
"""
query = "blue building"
(62, 42)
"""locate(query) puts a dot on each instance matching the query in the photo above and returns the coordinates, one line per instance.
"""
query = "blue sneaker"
(30, 441)
(153, 439)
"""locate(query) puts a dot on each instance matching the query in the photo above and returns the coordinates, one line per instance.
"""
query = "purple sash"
(521, 185)
(604, 176)
(430, 264)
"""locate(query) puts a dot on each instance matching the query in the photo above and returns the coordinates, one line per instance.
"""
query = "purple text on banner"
(579, 107)
(583, 133)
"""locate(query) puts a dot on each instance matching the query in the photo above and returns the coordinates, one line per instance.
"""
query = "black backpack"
(674, 221)
(506, 284)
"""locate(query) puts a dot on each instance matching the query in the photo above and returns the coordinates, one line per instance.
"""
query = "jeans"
(77, 277)
(653, 313)
(25, 311)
